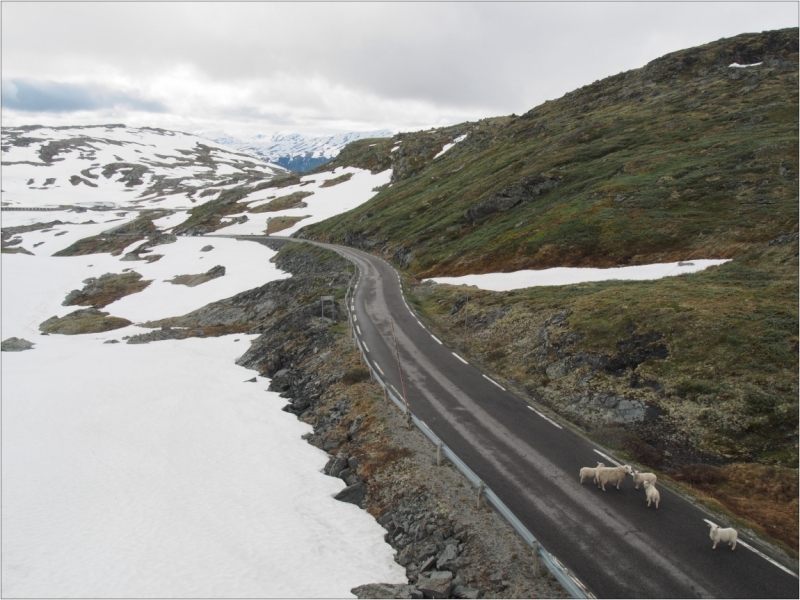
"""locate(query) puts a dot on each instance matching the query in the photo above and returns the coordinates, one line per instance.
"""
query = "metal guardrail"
(574, 587)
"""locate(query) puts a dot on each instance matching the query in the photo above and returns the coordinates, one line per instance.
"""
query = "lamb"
(727, 534)
(652, 494)
(639, 478)
(590, 472)
(612, 475)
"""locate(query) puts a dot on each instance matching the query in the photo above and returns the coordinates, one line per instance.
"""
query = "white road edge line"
(394, 389)
(437, 339)
(377, 366)
(363, 343)
(459, 358)
(359, 329)
(420, 323)
(494, 382)
(355, 318)
(549, 420)
(761, 554)
(607, 457)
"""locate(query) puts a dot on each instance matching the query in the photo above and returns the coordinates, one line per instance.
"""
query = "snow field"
(110, 146)
(246, 266)
(155, 470)
(75, 227)
(325, 203)
(503, 282)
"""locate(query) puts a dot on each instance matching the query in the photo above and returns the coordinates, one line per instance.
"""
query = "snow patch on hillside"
(503, 282)
(447, 147)
(323, 204)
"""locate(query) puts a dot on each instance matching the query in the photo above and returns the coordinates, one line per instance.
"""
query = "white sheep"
(612, 475)
(639, 478)
(720, 534)
(652, 494)
(590, 472)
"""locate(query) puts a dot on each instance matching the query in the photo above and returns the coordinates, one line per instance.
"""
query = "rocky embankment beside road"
(449, 546)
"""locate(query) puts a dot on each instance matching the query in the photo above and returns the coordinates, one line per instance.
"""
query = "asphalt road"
(611, 541)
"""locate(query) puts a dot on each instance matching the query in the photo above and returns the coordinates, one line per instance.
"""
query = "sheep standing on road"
(590, 472)
(652, 494)
(639, 478)
(726, 534)
(612, 475)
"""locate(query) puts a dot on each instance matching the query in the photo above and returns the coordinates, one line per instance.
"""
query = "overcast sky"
(320, 68)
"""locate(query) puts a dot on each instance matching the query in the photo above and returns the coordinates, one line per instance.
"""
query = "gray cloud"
(53, 97)
(370, 65)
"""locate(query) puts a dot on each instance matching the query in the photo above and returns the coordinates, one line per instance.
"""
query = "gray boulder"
(14, 344)
(354, 494)
(447, 557)
(437, 584)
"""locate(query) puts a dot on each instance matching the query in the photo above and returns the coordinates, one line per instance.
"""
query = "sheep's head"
(628, 470)
(713, 526)
(600, 465)
(646, 484)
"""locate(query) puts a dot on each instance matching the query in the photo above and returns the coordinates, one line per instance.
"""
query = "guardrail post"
(481, 485)
(439, 453)
(535, 547)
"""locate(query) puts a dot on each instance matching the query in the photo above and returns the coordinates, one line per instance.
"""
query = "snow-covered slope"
(158, 470)
(293, 150)
(121, 166)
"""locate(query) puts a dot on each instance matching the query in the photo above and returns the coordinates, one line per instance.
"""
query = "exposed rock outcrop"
(101, 291)
(87, 320)
(195, 280)
(526, 189)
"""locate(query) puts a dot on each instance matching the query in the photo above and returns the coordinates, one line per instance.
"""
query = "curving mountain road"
(614, 544)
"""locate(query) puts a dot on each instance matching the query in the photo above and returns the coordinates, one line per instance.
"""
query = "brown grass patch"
(336, 180)
(294, 200)
(276, 224)
(356, 375)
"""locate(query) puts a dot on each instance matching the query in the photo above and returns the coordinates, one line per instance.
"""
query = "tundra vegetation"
(694, 377)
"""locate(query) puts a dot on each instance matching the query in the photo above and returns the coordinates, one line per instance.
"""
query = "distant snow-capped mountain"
(293, 150)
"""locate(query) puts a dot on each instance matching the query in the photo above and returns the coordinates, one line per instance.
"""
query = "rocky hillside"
(692, 156)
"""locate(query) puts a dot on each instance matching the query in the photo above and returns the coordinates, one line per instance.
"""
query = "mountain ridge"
(293, 151)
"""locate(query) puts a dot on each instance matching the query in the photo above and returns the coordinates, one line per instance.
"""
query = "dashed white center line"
(437, 339)
(494, 382)
(363, 343)
(377, 366)
(761, 554)
(549, 420)
(607, 457)
(459, 358)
